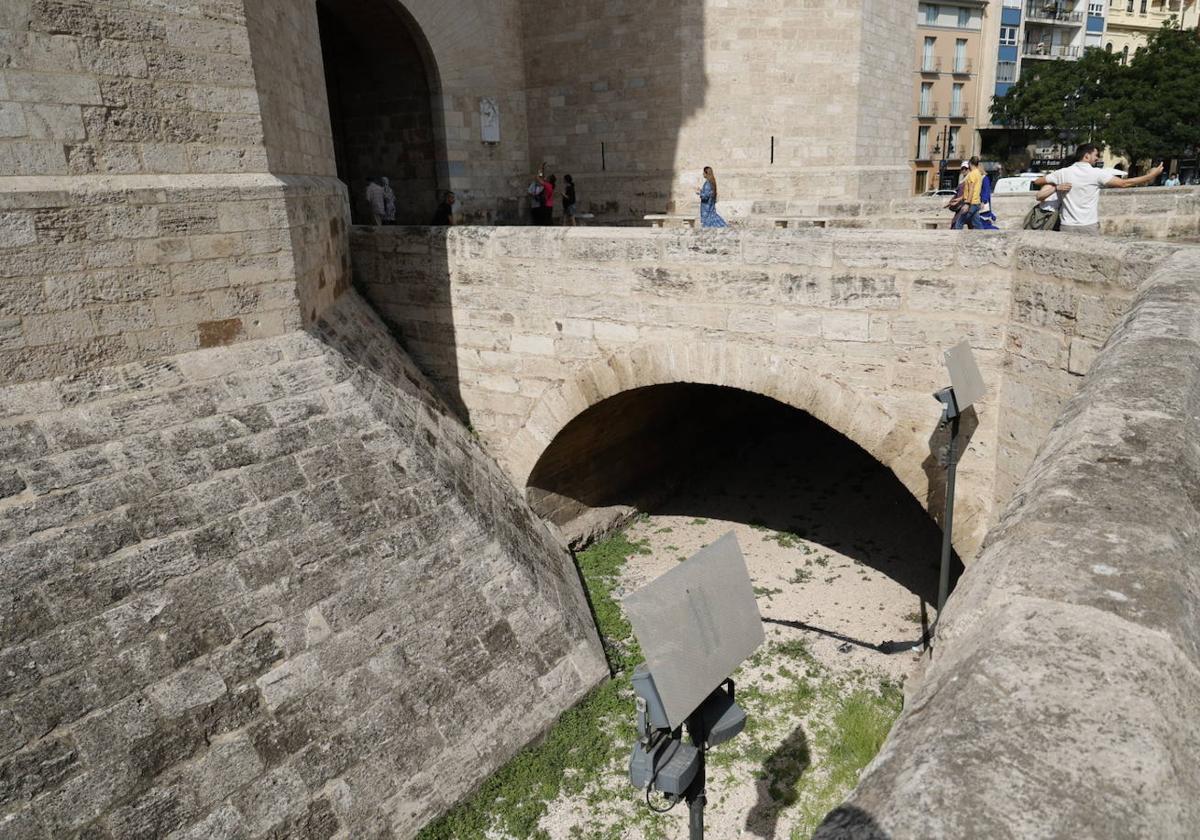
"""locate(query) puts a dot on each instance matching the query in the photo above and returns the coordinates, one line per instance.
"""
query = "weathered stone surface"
(1058, 701)
(233, 578)
(523, 349)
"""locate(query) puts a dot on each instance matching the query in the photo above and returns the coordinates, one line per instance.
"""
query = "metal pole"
(948, 525)
(695, 796)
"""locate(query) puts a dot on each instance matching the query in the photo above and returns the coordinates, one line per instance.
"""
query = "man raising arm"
(1079, 185)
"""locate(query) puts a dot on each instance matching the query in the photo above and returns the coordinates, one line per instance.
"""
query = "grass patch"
(800, 576)
(584, 744)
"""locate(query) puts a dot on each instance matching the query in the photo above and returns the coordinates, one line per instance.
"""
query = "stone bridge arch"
(894, 443)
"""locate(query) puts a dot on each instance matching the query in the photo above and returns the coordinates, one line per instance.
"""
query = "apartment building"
(1130, 22)
(950, 53)
(1032, 31)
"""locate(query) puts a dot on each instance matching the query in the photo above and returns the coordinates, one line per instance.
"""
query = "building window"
(926, 99)
(1125, 54)
(1108, 47)
(1143, 10)
(1008, 36)
(931, 14)
(960, 56)
(953, 150)
(1129, 7)
(923, 142)
(956, 100)
(1096, 9)
(927, 60)
(922, 181)
(1006, 71)
(964, 17)
(1012, 4)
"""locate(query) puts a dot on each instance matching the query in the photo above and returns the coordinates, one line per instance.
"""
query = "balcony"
(927, 111)
(1040, 49)
(962, 67)
(961, 111)
(1053, 13)
(931, 64)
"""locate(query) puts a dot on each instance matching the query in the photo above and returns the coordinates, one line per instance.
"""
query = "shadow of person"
(776, 787)
(847, 822)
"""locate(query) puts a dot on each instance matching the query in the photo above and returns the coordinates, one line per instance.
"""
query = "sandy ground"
(840, 557)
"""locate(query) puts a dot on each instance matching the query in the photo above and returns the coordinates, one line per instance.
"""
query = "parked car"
(939, 192)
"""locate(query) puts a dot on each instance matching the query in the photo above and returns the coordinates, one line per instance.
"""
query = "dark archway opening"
(380, 80)
(726, 454)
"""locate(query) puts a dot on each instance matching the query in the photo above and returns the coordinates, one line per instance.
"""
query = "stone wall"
(668, 91)
(137, 218)
(524, 329)
(1059, 699)
(266, 590)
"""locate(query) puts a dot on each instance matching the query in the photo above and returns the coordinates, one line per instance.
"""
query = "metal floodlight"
(696, 624)
(966, 388)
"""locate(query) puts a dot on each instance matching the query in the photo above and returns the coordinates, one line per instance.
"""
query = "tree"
(1155, 106)
(1061, 96)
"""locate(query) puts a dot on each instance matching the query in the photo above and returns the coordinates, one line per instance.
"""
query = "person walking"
(972, 197)
(1083, 181)
(376, 206)
(709, 217)
(389, 202)
(568, 201)
(443, 216)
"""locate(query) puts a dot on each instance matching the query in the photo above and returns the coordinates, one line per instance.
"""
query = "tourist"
(972, 197)
(541, 194)
(389, 202)
(375, 202)
(709, 217)
(1081, 198)
(956, 202)
(568, 201)
(444, 215)
(1172, 180)
(536, 197)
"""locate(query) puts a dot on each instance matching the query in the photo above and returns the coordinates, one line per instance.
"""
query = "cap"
(965, 165)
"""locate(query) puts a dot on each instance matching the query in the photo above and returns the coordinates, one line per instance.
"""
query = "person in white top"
(1080, 212)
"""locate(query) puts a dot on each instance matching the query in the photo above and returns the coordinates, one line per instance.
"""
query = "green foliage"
(585, 743)
(1148, 108)
(800, 576)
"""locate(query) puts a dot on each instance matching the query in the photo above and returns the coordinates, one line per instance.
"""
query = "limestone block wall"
(668, 89)
(137, 218)
(524, 329)
(1059, 697)
(272, 589)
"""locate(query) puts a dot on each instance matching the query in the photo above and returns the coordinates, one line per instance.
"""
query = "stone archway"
(381, 80)
(899, 446)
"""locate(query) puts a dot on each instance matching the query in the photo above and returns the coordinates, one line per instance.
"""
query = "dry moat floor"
(842, 561)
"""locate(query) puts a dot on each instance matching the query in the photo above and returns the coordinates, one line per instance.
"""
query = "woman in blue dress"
(709, 217)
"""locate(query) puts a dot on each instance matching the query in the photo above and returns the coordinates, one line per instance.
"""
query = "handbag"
(1039, 219)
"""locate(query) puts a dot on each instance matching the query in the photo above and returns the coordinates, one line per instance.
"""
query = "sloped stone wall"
(272, 589)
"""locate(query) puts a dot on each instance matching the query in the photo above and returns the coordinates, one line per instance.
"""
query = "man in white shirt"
(1081, 198)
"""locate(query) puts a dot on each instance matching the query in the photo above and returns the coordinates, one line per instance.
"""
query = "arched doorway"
(380, 78)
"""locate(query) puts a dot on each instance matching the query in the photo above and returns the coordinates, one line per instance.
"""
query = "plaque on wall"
(489, 120)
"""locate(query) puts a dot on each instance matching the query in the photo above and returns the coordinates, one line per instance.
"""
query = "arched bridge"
(524, 329)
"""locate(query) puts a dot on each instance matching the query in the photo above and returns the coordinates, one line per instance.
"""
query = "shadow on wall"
(936, 461)
(722, 453)
(417, 293)
(610, 85)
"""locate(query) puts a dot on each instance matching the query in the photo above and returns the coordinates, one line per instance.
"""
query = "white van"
(1022, 183)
